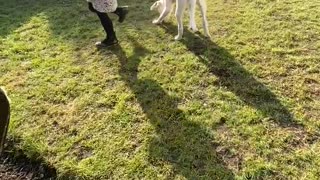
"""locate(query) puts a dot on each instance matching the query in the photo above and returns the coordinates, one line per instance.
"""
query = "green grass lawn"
(243, 105)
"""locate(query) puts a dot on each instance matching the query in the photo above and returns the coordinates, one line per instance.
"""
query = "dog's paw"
(193, 29)
(208, 35)
(178, 37)
(156, 21)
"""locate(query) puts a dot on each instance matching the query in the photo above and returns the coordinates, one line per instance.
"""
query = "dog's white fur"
(164, 8)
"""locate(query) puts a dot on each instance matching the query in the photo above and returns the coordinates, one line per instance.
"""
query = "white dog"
(164, 7)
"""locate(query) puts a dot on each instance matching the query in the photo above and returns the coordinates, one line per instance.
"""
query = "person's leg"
(121, 12)
(90, 6)
(107, 24)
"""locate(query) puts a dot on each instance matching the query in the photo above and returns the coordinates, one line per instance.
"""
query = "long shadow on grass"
(182, 144)
(67, 18)
(15, 13)
(235, 78)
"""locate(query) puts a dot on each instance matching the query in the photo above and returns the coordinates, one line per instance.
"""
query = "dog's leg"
(203, 7)
(180, 6)
(165, 12)
(192, 11)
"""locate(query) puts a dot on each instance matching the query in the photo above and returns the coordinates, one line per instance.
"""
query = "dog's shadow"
(235, 78)
(178, 143)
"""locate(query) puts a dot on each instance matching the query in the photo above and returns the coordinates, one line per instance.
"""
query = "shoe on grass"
(122, 13)
(107, 43)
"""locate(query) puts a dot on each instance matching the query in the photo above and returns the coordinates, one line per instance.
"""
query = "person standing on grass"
(102, 8)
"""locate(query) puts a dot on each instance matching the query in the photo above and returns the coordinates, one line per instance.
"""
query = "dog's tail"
(203, 7)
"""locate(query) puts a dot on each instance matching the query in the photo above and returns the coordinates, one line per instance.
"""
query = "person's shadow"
(178, 142)
(235, 78)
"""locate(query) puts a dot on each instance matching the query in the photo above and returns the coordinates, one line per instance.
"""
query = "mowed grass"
(243, 105)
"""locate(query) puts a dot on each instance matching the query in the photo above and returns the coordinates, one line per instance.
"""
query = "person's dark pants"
(105, 21)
